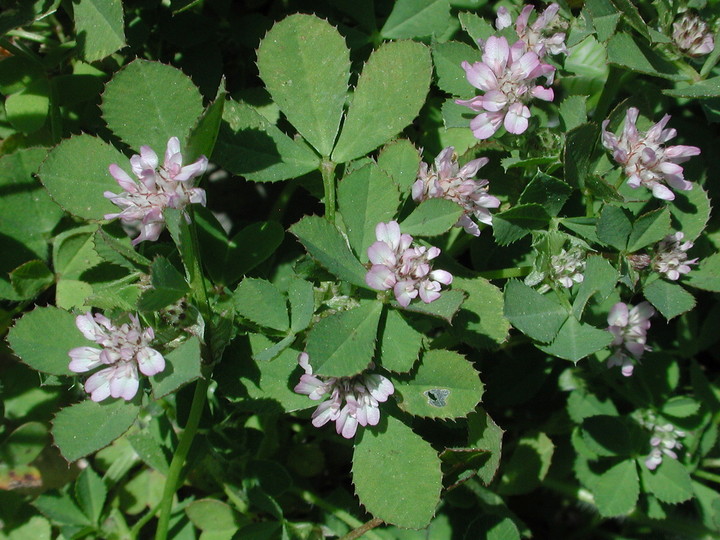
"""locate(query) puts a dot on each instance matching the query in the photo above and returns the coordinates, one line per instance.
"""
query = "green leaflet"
(262, 303)
(390, 91)
(168, 286)
(400, 160)
(416, 18)
(670, 482)
(616, 490)
(343, 344)
(539, 317)
(325, 244)
(445, 386)
(146, 103)
(528, 465)
(706, 275)
(576, 340)
(447, 58)
(691, 211)
(432, 217)
(399, 343)
(366, 197)
(649, 229)
(90, 492)
(305, 66)
(480, 321)
(513, 224)
(669, 298)
(43, 337)
(625, 51)
(250, 146)
(182, 365)
(76, 175)
(99, 27)
(397, 474)
(100, 424)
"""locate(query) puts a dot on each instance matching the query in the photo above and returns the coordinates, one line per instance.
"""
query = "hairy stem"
(178, 461)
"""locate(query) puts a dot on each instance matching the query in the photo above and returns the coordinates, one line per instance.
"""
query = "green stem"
(178, 461)
(506, 273)
(327, 168)
(188, 246)
(135, 531)
(712, 477)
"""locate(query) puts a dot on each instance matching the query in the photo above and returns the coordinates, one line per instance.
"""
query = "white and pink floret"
(446, 180)
(507, 76)
(629, 326)
(348, 401)
(399, 265)
(160, 187)
(124, 350)
(645, 159)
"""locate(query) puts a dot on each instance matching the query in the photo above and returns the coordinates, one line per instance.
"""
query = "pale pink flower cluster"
(692, 36)
(508, 77)
(167, 186)
(361, 395)
(446, 180)
(402, 267)
(125, 349)
(671, 257)
(664, 440)
(645, 160)
(535, 36)
(629, 326)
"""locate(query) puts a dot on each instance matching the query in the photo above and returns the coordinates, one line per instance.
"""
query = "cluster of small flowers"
(125, 349)
(692, 36)
(446, 180)
(402, 267)
(629, 326)
(671, 257)
(645, 160)
(664, 440)
(568, 267)
(535, 36)
(361, 394)
(169, 186)
(508, 74)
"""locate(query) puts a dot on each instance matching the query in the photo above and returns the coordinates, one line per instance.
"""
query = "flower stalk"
(173, 479)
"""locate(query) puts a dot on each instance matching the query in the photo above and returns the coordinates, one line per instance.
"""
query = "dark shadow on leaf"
(245, 151)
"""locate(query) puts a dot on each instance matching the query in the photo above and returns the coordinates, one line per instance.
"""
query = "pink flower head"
(535, 36)
(671, 258)
(446, 180)
(347, 401)
(168, 186)
(629, 326)
(692, 35)
(645, 160)
(507, 76)
(124, 350)
(402, 267)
